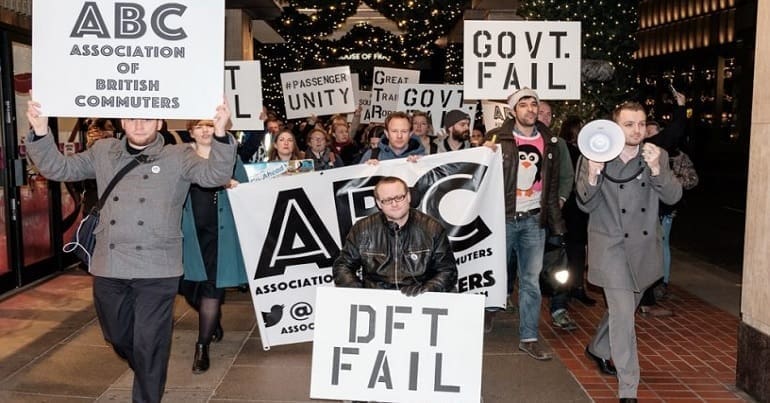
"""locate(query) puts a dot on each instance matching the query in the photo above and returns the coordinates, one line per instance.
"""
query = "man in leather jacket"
(398, 248)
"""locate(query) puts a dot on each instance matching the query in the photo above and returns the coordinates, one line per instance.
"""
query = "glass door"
(36, 215)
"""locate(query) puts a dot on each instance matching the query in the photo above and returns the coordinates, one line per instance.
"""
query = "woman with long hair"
(285, 147)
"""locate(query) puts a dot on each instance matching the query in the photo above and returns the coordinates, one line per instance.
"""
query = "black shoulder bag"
(83, 241)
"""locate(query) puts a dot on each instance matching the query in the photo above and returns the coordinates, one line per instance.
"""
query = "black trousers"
(136, 316)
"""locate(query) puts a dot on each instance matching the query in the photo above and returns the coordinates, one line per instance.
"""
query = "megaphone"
(601, 140)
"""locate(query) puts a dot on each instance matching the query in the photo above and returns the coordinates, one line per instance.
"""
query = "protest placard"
(365, 102)
(503, 56)
(318, 92)
(379, 345)
(385, 82)
(434, 99)
(258, 171)
(243, 90)
(141, 59)
(494, 113)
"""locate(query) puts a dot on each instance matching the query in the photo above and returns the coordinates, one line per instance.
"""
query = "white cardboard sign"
(318, 92)
(434, 99)
(494, 113)
(379, 345)
(502, 56)
(243, 90)
(141, 59)
(385, 82)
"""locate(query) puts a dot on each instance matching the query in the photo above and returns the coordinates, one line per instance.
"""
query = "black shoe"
(201, 359)
(627, 400)
(580, 295)
(218, 334)
(605, 366)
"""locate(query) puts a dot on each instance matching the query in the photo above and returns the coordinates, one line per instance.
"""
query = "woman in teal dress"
(212, 253)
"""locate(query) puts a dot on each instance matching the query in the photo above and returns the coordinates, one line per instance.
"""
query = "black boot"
(579, 293)
(218, 334)
(201, 359)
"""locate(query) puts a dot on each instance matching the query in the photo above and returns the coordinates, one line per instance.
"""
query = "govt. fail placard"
(501, 57)
(135, 59)
(379, 345)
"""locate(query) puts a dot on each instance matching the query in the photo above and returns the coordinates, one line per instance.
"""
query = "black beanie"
(454, 116)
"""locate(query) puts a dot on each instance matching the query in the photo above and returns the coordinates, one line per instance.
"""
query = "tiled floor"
(51, 350)
(689, 357)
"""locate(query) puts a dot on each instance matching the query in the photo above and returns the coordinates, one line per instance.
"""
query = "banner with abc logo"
(291, 229)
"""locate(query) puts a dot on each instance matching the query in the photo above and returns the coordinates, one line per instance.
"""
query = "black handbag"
(83, 241)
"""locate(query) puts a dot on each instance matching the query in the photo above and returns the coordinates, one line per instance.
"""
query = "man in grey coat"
(624, 239)
(137, 259)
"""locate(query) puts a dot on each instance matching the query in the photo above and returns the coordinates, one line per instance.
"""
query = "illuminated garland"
(422, 22)
(608, 29)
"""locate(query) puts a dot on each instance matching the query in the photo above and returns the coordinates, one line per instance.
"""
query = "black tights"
(209, 313)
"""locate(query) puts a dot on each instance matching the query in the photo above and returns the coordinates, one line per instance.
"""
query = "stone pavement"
(51, 350)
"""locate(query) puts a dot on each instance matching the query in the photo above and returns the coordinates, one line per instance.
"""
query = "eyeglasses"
(393, 200)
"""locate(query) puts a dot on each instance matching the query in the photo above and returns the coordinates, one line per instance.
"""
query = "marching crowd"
(615, 230)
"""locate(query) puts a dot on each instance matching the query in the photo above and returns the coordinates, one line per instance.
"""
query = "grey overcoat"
(624, 239)
(140, 232)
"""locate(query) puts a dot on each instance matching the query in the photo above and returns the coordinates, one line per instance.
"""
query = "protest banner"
(290, 242)
(435, 100)
(501, 57)
(379, 345)
(243, 90)
(142, 59)
(494, 113)
(385, 82)
(318, 92)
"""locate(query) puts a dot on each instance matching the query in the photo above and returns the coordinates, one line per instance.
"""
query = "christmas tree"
(608, 29)
(422, 24)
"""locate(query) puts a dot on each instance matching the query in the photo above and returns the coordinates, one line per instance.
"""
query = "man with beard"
(137, 260)
(531, 185)
(621, 197)
(398, 248)
(457, 125)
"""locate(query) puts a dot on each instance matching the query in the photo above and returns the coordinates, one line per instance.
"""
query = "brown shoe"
(536, 350)
(655, 311)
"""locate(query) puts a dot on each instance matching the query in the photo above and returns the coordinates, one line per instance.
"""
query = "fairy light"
(422, 22)
(608, 29)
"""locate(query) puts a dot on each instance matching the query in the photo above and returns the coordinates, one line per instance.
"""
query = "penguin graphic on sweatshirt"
(530, 163)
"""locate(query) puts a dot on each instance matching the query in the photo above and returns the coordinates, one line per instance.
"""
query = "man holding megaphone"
(619, 183)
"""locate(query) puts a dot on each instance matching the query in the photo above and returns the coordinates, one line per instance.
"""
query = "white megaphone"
(601, 140)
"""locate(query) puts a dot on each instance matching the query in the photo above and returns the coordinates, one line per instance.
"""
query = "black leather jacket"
(389, 258)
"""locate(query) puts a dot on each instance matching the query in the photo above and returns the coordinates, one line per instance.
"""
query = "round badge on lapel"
(155, 169)
(413, 256)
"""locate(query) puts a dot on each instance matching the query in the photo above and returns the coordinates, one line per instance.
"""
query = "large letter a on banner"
(296, 236)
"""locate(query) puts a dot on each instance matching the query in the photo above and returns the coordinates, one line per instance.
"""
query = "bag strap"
(123, 171)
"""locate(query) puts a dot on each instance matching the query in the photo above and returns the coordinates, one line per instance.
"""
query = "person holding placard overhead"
(621, 197)
(211, 250)
(137, 259)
